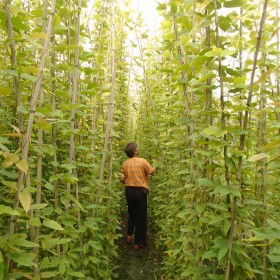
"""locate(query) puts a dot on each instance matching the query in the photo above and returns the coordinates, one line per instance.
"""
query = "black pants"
(137, 214)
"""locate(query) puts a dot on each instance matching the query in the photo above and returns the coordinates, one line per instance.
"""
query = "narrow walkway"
(138, 265)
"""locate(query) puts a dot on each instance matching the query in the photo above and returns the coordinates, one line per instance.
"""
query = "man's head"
(131, 150)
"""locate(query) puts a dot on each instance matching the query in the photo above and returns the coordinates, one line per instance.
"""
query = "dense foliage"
(214, 132)
(62, 64)
(200, 97)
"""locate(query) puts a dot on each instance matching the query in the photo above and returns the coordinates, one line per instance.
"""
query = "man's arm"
(122, 178)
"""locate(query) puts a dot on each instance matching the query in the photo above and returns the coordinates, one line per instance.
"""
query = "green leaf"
(235, 192)
(233, 3)
(206, 77)
(38, 206)
(68, 166)
(35, 222)
(230, 163)
(222, 190)
(224, 22)
(29, 77)
(218, 52)
(56, 21)
(67, 178)
(222, 252)
(215, 220)
(258, 157)
(22, 109)
(73, 199)
(26, 243)
(200, 208)
(8, 210)
(23, 259)
(273, 224)
(76, 274)
(48, 274)
(10, 72)
(226, 226)
(4, 148)
(22, 165)
(214, 52)
(5, 91)
(161, 7)
(227, 52)
(10, 159)
(25, 200)
(274, 258)
(267, 233)
(214, 131)
(19, 25)
(276, 250)
(271, 145)
(209, 255)
(37, 13)
(264, 76)
(94, 260)
(205, 182)
(187, 273)
(52, 224)
(56, 241)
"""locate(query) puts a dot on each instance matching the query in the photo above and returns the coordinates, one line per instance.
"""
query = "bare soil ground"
(138, 265)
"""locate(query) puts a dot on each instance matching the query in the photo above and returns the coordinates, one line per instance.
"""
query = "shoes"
(129, 239)
(137, 247)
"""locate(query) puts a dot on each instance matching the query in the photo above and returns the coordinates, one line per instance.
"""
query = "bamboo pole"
(73, 100)
(240, 54)
(17, 89)
(33, 105)
(54, 130)
(222, 103)
(209, 101)
(263, 141)
(111, 102)
(276, 95)
(182, 61)
(36, 231)
(75, 93)
(94, 101)
(149, 101)
(242, 142)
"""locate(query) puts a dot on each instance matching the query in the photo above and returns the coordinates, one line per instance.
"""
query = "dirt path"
(138, 265)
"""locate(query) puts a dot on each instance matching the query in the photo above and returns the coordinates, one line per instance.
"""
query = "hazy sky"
(148, 8)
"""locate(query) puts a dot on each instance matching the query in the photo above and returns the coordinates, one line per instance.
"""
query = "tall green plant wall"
(215, 201)
(70, 233)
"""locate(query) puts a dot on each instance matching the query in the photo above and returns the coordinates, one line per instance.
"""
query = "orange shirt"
(136, 171)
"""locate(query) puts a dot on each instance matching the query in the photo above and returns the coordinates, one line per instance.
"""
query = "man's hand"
(154, 172)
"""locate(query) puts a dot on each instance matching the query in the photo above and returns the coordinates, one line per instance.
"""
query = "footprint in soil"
(138, 265)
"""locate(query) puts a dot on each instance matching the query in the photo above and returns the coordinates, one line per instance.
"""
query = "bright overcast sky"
(148, 8)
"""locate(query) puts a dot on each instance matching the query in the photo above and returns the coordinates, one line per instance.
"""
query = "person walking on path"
(134, 175)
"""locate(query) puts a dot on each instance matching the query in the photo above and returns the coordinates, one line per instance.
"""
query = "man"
(134, 174)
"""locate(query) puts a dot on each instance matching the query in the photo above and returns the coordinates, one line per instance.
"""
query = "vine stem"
(242, 142)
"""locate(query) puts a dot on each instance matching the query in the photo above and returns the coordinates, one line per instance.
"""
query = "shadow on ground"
(137, 265)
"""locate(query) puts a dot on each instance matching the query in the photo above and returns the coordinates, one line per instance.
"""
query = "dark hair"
(130, 149)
